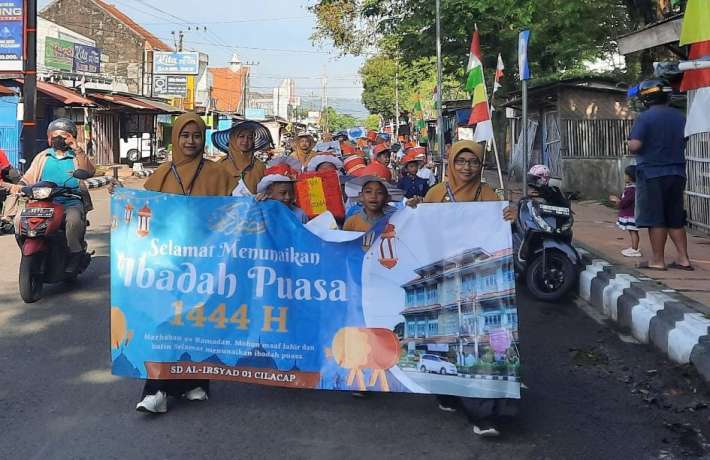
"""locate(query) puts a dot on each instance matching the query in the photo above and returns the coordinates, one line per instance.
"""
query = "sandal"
(646, 266)
(677, 266)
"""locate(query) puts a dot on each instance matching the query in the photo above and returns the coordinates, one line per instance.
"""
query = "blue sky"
(258, 31)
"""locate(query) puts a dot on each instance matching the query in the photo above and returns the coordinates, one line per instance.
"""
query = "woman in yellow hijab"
(189, 173)
(464, 184)
(240, 143)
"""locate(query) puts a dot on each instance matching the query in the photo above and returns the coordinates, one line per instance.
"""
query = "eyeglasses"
(471, 163)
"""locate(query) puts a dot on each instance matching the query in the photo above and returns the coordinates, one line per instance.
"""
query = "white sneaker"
(156, 404)
(486, 432)
(631, 252)
(446, 408)
(196, 394)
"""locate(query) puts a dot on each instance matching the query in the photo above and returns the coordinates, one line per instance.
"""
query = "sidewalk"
(595, 227)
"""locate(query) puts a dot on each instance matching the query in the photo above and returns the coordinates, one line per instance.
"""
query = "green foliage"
(337, 122)
(372, 122)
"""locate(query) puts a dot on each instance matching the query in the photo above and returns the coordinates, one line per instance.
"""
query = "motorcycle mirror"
(81, 174)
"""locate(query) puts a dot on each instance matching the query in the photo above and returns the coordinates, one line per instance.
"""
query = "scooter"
(41, 237)
(542, 243)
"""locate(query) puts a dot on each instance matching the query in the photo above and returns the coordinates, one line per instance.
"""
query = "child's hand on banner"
(414, 201)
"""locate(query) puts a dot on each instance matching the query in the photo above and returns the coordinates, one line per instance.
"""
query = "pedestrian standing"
(189, 173)
(627, 204)
(657, 140)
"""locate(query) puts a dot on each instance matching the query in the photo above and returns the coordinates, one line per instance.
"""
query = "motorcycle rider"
(57, 164)
(7, 202)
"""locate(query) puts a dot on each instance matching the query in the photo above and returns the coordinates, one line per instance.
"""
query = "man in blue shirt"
(658, 141)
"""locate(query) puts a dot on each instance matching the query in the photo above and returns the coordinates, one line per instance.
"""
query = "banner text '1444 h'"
(227, 288)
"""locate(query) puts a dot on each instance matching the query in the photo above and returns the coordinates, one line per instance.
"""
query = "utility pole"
(440, 114)
(396, 103)
(324, 102)
(29, 124)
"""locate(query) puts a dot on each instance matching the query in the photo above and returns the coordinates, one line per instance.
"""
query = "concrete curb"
(96, 182)
(673, 324)
(143, 173)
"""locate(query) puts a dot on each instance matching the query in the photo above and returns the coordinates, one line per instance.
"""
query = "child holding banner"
(376, 192)
(278, 184)
(189, 173)
(463, 184)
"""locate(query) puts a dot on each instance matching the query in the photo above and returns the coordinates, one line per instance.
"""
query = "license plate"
(38, 212)
(556, 210)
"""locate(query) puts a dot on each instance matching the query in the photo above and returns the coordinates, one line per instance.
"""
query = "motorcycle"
(42, 240)
(542, 242)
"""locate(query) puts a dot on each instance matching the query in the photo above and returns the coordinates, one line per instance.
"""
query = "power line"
(238, 21)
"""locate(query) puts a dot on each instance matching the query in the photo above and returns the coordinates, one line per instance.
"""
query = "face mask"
(59, 143)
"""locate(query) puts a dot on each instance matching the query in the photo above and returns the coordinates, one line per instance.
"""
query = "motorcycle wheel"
(559, 279)
(31, 278)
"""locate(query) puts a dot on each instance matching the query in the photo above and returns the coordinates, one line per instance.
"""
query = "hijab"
(242, 165)
(473, 190)
(199, 177)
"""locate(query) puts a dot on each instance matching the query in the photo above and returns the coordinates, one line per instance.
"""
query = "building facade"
(230, 87)
(456, 303)
(127, 48)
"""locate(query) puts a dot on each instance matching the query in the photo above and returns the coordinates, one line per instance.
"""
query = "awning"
(65, 95)
(652, 36)
(160, 105)
(122, 100)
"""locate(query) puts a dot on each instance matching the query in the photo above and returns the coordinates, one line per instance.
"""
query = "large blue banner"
(228, 288)
(11, 35)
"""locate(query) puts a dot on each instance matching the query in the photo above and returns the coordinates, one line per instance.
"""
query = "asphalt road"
(591, 394)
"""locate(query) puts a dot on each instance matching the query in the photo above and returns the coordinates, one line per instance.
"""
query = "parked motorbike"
(41, 237)
(542, 241)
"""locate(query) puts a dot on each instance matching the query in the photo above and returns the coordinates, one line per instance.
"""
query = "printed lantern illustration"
(128, 213)
(367, 241)
(114, 223)
(144, 216)
(388, 256)
(356, 348)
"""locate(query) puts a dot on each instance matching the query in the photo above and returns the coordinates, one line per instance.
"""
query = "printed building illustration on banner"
(460, 310)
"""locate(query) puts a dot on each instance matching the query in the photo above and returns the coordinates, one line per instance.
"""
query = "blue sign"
(11, 35)
(87, 59)
(230, 288)
(523, 66)
(175, 63)
(255, 114)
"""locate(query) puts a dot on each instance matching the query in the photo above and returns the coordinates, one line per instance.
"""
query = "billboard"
(87, 59)
(176, 63)
(11, 44)
(59, 54)
(170, 86)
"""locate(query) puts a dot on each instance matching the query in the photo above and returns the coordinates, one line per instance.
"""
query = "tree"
(372, 122)
(337, 121)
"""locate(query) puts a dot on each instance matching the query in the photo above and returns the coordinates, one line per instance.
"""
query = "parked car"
(436, 364)
(136, 149)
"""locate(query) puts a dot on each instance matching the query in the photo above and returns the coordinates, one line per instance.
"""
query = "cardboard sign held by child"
(318, 192)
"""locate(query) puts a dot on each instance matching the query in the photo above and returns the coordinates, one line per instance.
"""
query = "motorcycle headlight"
(540, 221)
(41, 193)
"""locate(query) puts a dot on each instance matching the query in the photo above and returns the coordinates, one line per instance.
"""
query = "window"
(411, 329)
(421, 296)
(512, 318)
(433, 327)
(411, 298)
(421, 328)
(493, 321)
(431, 295)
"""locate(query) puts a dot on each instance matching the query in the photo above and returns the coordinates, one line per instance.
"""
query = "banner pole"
(440, 113)
(525, 139)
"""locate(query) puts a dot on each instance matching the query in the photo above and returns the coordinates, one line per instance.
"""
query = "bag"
(318, 192)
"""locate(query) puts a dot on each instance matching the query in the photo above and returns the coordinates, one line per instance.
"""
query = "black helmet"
(653, 92)
(63, 124)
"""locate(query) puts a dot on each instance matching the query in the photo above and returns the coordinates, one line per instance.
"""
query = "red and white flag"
(499, 74)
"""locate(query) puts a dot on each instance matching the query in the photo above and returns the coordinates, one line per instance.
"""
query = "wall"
(122, 49)
(591, 104)
(594, 179)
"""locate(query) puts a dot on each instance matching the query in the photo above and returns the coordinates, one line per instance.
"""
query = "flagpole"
(525, 138)
(440, 113)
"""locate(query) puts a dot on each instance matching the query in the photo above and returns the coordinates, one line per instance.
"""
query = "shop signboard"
(11, 44)
(59, 54)
(176, 63)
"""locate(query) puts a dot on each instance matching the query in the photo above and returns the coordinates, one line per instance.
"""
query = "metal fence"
(595, 138)
(697, 193)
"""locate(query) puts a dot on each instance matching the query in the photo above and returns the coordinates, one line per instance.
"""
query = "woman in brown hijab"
(187, 174)
(240, 142)
(463, 184)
